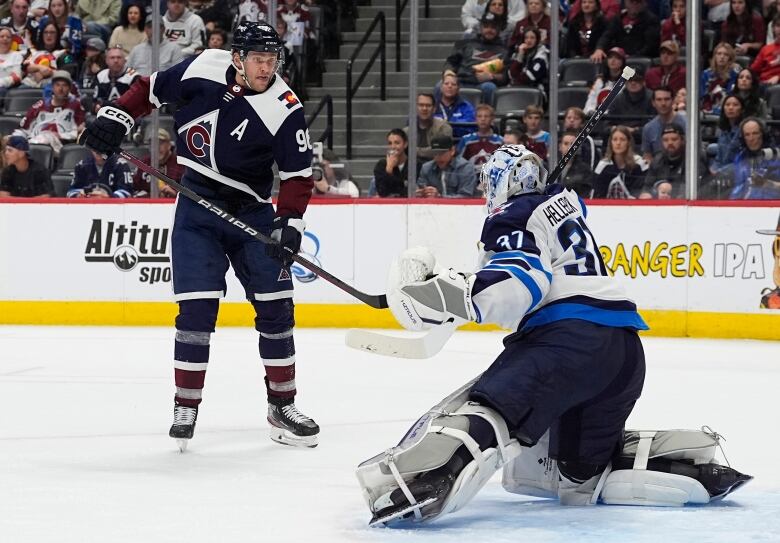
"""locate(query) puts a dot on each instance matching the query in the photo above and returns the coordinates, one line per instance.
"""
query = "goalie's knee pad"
(430, 444)
(669, 468)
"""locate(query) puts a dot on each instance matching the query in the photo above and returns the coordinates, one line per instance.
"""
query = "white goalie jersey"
(539, 263)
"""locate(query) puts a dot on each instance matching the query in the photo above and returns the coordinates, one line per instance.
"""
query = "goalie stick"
(430, 343)
(378, 301)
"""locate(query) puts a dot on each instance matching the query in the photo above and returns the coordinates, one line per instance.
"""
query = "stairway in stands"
(372, 118)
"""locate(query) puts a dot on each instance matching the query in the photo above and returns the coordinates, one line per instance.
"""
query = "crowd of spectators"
(69, 57)
(639, 151)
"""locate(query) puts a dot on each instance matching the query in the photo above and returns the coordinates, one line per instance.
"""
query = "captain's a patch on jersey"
(289, 99)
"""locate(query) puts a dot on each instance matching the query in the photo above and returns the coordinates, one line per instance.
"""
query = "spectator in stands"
(480, 62)
(636, 30)
(452, 107)
(447, 175)
(731, 115)
(611, 70)
(184, 28)
(69, 25)
(100, 177)
(23, 177)
(667, 166)
(99, 16)
(673, 28)
(114, 81)
(749, 89)
(770, 12)
(719, 79)
(218, 38)
(653, 131)
(478, 146)
(756, 167)
(428, 126)
(55, 120)
(167, 165)
(513, 135)
(214, 13)
(251, 10)
(609, 8)
(636, 102)
(537, 18)
(94, 63)
(743, 28)
(298, 19)
(670, 72)
(585, 29)
(573, 121)
(390, 173)
(332, 177)
(21, 23)
(621, 173)
(538, 139)
(140, 59)
(498, 9)
(42, 60)
(10, 62)
(130, 31)
(766, 64)
(473, 10)
(528, 67)
(578, 173)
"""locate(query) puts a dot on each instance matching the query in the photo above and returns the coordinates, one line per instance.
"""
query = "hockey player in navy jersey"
(552, 406)
(235, 118)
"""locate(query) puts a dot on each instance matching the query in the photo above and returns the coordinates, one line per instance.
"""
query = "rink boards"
(694, 270)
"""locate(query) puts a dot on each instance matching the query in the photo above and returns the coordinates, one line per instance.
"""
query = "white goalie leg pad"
(429, 444)
(640, 486)
(533, 473)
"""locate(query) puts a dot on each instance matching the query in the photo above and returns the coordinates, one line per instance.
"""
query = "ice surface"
(84, 452)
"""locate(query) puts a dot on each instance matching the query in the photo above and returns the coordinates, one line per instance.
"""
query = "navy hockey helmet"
(256, 36)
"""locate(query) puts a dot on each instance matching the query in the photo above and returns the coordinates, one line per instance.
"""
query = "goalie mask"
(511, 170)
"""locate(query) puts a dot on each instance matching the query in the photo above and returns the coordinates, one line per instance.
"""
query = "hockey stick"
(378, 301)
(433, 341)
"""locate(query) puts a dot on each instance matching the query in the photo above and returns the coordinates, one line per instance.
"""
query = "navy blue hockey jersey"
(540, 263)
(231, 134)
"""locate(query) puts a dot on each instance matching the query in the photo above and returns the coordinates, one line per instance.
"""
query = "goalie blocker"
(442, 462)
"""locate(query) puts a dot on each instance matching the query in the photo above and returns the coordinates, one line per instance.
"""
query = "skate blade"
(384, 519)
(182, 444)
(280, 435)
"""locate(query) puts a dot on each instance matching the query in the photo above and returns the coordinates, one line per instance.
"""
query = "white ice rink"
(84, 452)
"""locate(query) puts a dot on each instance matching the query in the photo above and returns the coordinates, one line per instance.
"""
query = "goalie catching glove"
(420, 295)
(105, 134)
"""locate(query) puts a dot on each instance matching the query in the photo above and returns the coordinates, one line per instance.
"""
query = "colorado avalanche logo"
(199, 138)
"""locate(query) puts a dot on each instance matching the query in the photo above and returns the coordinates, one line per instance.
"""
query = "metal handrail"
(325, 102)
(380, 52)
(399, 10)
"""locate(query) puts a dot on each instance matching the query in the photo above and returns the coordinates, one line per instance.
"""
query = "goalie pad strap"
(643, 449)
(402, 486)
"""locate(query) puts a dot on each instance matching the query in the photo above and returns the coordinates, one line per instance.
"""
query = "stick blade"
(411, 346)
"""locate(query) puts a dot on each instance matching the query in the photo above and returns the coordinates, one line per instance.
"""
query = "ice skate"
(183, 426)
(289, 426)
(429, 491)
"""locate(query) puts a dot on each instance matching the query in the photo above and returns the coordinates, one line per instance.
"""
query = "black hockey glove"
(105, 134)
(288, 233)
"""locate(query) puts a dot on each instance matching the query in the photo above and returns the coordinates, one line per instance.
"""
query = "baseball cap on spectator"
(19, 143)
(63, 75)
(439, 144)
(670, 46)
(96, 44)
(639, 70)
(618, 51)
(489, 19)
(163, 135)
(673, 129)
